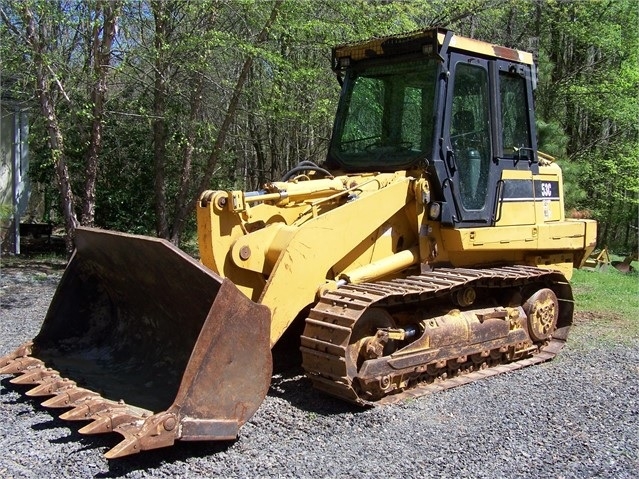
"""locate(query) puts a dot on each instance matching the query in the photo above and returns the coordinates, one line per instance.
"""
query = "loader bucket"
(143, 340)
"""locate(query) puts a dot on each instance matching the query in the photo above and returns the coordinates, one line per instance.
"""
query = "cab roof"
(427, 41)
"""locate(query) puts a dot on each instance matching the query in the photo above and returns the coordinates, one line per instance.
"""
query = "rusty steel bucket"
(143, 340)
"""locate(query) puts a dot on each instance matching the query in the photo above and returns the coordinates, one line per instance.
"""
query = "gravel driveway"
(575, 417)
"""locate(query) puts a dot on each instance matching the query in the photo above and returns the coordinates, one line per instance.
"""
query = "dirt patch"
(33, 265)
(581, 317)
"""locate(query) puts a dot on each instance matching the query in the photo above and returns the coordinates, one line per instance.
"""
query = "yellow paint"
(303, 266)
(477, 46)
(383, 267)
(287, 249)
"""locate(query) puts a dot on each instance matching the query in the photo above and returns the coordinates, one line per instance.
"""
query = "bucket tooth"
(21, 352)
(130, 445)
(69, 398)
(50, 386)
(34, 376)
(107, 421)
(159, 430)
(98, 426)
(78, 413)
(18, 365)
(85, 410)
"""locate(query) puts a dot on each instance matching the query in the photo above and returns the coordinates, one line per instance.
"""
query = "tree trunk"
(159, 121)
(184, 189)
(101, 62)
(55, 137)
(220, 141)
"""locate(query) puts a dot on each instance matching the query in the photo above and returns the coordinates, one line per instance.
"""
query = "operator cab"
(459, 108)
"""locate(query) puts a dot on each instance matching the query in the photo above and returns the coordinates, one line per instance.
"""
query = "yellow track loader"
(428, 251)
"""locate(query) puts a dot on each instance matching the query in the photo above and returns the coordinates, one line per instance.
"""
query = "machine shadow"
(290, 383)
(180, 452)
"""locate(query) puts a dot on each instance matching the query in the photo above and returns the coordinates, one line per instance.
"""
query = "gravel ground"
(575, 417)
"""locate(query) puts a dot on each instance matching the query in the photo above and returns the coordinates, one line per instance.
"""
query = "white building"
(14, 181)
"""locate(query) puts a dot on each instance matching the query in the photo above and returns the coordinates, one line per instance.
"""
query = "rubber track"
(331, 321)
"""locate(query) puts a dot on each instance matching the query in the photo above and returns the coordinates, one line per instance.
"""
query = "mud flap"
(143, 340)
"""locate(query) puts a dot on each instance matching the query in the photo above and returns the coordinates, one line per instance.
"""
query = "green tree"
(232, 94)
(51, 46)
(590, 88)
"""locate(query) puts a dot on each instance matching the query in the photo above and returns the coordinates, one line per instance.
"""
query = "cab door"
(489, 142)
(468, 141)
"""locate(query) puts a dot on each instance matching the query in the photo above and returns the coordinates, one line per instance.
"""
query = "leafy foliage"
(230, 94)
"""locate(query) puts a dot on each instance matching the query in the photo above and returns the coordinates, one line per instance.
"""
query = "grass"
(607, 291)
(607, 306)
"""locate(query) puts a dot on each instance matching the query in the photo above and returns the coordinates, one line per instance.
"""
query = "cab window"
(470, 133)
(514, 114)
